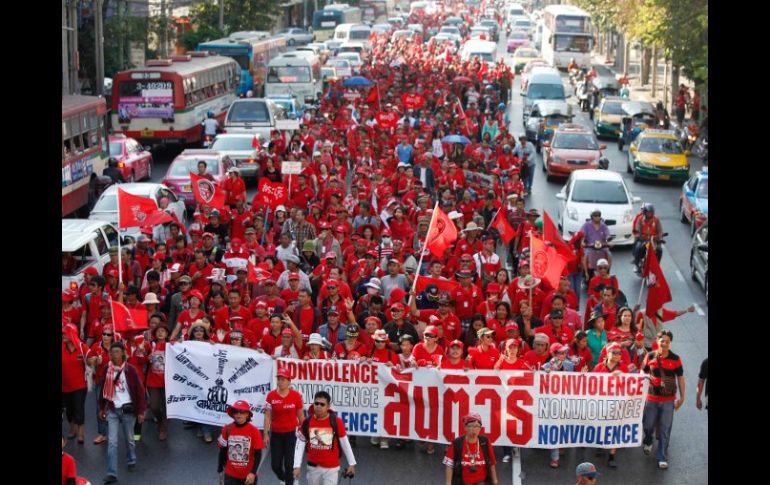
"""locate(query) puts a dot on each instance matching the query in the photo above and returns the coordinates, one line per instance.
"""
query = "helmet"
(501, 106)
(210, 114)
(648, 208)
(113, 162)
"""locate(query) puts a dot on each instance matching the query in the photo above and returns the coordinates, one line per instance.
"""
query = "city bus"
(84, 151)
(376, 11)
(295, 73)
(326, 20)
(166, 101)
(252, 51)
(566, 34)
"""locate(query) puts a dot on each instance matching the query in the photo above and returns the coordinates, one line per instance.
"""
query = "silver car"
(106, 207)
(240, 148)
(296, 35)
(699, 258)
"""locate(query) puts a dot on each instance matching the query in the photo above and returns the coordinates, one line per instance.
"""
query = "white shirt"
(122, 395)
(210, 126)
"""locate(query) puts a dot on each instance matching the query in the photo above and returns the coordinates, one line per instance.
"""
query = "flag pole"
(120, 250)
(531, 266)
(493, 219)
(641, 288)
(379, 101)
(422, 251)
(264, 230)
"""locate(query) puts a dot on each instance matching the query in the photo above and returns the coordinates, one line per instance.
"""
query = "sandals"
(554, 464)
(99, 440)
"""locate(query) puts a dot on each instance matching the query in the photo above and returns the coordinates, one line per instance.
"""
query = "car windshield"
(526, 53)
(73, 262)
(545, 91)
(660, 145)
(233, 143)
(182, 168)
(599, 192)
(703, 189)
(106, 203)
(338, 62)
(575, 141)
(359, 34)
(612, 109)
(288, 74)
(116, 149)
(250, 111)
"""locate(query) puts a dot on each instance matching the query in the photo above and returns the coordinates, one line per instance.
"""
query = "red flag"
(547, 264)
(500, 222)
(272, 194)
(207, 192)
(658, 291)
(412, 101)
(551, 234)
(374, 96)
(136, 211)
(460, 108)
(387, 120)
(255, 142)
(443, 285)
(441, 234)
(126, 319)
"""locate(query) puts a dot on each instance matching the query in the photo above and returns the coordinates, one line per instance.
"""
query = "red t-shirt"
(269, 342)
(98, 349)
(601, 367)
(423, 357)
(359, 350)
(520, 364)
(241, 443)
(447, 364)
(469, 450)
(73, 368)
(67, 468)
(384, 356)
(466, 301)
(483, 359)
(72, 315)
(284, 410)
(564, 335)
(322, 448)
(536, 361)
(156, 371)
(185, 320)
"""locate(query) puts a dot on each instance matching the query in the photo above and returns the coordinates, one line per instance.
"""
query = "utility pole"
(163, 47)
(121, 49)
(65, 58)
(654, 70)
(73, 44)
(99, 50)
(222, 15)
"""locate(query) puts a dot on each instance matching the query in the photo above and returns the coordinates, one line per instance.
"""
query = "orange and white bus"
(166, 101)
(84, 152)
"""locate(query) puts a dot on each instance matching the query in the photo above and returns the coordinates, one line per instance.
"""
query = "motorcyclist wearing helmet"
(112, 171)
(210, 125)
(502, 116)
(647, 228)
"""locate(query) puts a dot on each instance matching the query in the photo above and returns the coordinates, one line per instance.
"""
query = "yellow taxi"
(658, 155)
(607, 116)
(522, 56)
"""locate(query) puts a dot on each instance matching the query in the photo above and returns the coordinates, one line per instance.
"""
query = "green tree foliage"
(239, 15)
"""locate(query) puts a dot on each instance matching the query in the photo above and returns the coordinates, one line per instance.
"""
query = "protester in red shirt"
(579, 351)
(558, 332)
(98, 359)
(471, 455)
(240, 446)
(540, 352)
(156, 380)
(69, 473)
(73, 381)
(426, 352)
(485, 354)
(284, 412)
(69, 312)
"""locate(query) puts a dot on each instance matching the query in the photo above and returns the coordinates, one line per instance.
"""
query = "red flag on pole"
(136, 211)
(207, 192)
(272, 194)
(374, 95)
(255, 142)
(443, 285)
(500, 222)
(546, 264)
(551, 234)
(441, 234)
(125, 319)
(658, 291)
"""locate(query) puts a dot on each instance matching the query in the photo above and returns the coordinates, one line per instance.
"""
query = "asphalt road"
(187, 459)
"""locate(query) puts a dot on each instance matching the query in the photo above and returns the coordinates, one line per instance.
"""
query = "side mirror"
(561, 196)
(704, 248)
(636, 200)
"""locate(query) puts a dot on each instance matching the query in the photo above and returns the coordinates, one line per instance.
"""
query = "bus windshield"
(241, 56)
(288, 74)
(573, 24)
(573, 43)
(326, 19)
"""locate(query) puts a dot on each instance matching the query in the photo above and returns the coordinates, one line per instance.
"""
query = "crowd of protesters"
(329, 273)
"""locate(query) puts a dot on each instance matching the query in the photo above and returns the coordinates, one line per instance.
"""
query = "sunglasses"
(429, 336)
(240, 411)
(184, 283)
(107, 334)
(616, 352)
(319, 404)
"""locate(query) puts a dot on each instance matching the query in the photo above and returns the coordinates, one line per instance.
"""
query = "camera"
(348, 475)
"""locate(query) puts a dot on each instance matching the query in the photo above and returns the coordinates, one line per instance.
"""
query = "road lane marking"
(516, 467)
(679, 275)
(699, 310)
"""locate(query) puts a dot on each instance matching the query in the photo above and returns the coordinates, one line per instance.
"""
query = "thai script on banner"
(478, 179)
(527, 409)
(202, 379)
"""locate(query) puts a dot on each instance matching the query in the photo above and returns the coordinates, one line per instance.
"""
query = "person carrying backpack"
(470, 458)
(323, 432)
(240, 447)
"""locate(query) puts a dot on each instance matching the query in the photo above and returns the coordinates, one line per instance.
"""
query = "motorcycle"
(701, 148)
(639, 266)
(599, 250)
(207, 139)
(583, 90)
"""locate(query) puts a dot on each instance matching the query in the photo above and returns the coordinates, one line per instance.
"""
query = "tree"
(238, 15)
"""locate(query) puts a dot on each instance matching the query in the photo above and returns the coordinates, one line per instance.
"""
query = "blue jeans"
(101, 424)
(554, 453)
(660, 415)
(576, 282)
(116, 420)
(529, 176)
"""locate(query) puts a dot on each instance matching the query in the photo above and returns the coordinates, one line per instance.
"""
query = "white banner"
(202, 379)
(287, 125)
(291, 168)
(527, 409)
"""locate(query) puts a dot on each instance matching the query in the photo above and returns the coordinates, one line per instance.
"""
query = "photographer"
(470, 458)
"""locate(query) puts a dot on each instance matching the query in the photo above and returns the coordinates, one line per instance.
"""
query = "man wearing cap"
(428, 298)
(235, 258)
(470, 458)
(454, 358)
(556, 330)
(571, 318)
(393, 279)
(399, 326)
(424, 172)
(285, 248)
(127, 277)
(326, 243)
(467, 297)
(487, 261)
(586, 474)
(540, 353)
(352, 348)
(212, 251)
(334, 331)
(217, 227)
(200, 271)
(240, 447)
(275, 304)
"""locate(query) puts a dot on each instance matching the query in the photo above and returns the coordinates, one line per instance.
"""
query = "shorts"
(75, 404)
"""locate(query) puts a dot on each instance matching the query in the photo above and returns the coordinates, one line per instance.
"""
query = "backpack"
(305, 428)
(457, 447)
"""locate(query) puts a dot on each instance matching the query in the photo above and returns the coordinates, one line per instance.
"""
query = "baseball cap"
(293, 276)
(397, 306)
(457, 343)
(511, 326)
(471, 418)
(431, 330)
(333, 310)
(557, 314)
(587, 470)
(602, 262)
(557, 347)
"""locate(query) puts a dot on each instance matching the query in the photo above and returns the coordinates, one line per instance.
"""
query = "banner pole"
(531, 266)
(120, 250)
(422, 252)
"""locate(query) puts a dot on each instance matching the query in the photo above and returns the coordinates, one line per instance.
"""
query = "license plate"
(186, 188)
(147, 133)
(664, 176)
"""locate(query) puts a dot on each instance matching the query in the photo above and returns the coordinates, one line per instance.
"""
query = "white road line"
(699, 310)
(516, 467)
(679, 275)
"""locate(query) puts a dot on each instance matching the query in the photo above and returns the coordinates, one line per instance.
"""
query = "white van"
(253, 115)
(297, 73)
(84, 244)
(486, 51)
(353, 33)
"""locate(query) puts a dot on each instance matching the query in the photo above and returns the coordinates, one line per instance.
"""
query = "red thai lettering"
(399, 407)
(431, 430)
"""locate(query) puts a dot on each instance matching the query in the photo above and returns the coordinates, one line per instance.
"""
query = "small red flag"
(443, 285)
(136, 211)
(441, 234)
(500, 222)
(374, 96)
(551, 234)
(255, 142)
(207, 192)
(272, 194)
(658, 291)
(547, 264)
(126, 319)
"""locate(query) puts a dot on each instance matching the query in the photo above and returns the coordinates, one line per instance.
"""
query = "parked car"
(134, 160)
(573, 147)
(84, 243)
(253, 115)
(699, 258)
(295, 35)
(106, 207)
(587, 190)
(239, 147)
(178, 175)
(694, 200)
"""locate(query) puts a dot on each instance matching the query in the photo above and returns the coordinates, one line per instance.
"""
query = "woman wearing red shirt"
(485, 354)
(233, 186)
(98, 358)
(400, 228)
(240, 447)
(70, 313)
(73, 380)
(612, 365)
(187, 317)
(156, 381)
(579, 351)
(283, 414)
(510, 361)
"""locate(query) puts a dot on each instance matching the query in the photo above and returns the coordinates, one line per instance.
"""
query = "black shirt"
(704, 374)
(395, 332)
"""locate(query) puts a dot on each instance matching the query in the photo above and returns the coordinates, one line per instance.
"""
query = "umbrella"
(462, 79)
(455, 139)
(356, 81)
